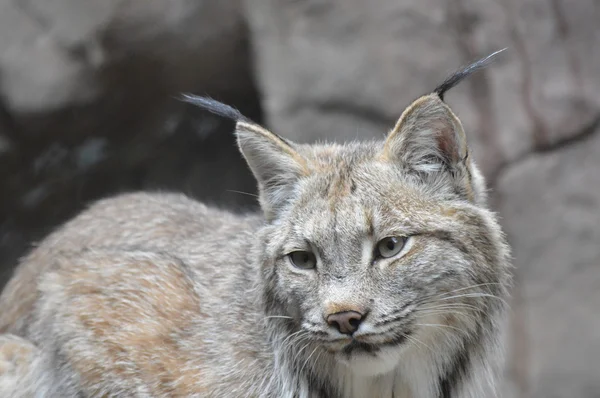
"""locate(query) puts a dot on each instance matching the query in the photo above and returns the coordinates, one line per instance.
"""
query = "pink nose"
(346, 322)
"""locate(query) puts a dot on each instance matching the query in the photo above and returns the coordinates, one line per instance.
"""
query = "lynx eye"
(391, 246)
(303, 259)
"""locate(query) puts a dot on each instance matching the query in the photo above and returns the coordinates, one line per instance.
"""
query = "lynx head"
(375, 248)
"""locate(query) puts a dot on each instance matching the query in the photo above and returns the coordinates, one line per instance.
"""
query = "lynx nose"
(346, 322)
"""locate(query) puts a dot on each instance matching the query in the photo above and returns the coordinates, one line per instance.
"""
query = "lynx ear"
(428, 137)
(429, 140)
(275, 163)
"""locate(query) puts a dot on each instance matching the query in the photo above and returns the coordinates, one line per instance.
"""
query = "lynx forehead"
(374, 269)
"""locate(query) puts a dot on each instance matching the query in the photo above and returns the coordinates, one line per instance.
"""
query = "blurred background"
(89, 107)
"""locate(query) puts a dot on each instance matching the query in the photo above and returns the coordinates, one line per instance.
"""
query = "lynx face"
(377, 249)
(366, 268)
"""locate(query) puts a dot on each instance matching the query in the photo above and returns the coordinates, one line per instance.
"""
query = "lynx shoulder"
(374, 269)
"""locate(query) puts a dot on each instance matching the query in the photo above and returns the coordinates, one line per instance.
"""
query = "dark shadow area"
(138, 137)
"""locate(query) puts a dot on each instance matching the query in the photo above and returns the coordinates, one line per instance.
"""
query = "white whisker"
(308, 358)
(243, 193)
(458, 313)
(300, 351)
(440, 326)
(465, 288)
(456, 305)
(292, 337)
(416, 340)
(475, 295)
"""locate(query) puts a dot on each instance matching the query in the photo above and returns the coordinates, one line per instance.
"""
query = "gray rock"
(56, 53)
(341, 69)
(551, 210)
(36, 72)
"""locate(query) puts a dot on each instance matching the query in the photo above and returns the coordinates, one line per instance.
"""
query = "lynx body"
(374, 270)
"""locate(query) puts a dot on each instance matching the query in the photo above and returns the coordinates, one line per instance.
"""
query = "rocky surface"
(87, 109)
(345, 69)
(550, 206)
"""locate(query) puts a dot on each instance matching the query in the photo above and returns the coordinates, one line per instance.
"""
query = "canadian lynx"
(375, 269)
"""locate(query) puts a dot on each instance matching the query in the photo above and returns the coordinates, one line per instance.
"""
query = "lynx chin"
(375, 269)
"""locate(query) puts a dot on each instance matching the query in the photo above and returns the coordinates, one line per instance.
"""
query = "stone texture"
(550, 205)
(341, 69)
(55, 53)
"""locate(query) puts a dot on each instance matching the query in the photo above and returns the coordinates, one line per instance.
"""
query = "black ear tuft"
(216, 107)
(459, 75)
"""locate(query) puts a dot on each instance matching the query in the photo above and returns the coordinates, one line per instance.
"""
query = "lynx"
(375, 269)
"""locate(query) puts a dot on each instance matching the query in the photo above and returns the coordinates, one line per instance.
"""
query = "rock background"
(88, 108)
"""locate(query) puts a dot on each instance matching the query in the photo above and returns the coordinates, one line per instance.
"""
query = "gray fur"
(158, 295)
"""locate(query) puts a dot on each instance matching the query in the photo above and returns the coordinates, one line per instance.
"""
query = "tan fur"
(341, 307)
(120, 316)
(17, 357)
(14, 352)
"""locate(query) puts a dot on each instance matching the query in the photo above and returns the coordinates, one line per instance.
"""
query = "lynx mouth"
(360, 345)
(356, 347)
